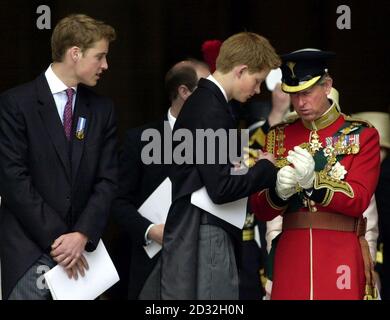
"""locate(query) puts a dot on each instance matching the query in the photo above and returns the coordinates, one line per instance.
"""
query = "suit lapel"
(52, 122)
(81, 111)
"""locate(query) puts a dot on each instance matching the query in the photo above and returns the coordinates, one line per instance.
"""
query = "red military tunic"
(314, 263)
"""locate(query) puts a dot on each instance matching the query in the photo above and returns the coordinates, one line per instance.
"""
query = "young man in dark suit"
(58, 161)
(139, 180)
(198, 259)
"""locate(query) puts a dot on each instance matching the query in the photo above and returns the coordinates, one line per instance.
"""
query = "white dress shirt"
(211, 78)
(57, 88)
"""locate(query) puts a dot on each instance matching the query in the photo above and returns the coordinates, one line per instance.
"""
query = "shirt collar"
(55, 83)
(212, 79)
(171, 119)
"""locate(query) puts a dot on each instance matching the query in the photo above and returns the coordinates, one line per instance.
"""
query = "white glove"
(286, 182)
(304, 166)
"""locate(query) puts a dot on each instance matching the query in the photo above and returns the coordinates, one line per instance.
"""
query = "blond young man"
(138, 180)
(198, 259)
(58, 163)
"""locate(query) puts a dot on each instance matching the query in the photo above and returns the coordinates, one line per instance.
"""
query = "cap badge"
(291, 66)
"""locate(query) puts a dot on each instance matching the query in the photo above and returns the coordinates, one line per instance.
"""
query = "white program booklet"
(100, 276)
(231, 212)
(156, 208)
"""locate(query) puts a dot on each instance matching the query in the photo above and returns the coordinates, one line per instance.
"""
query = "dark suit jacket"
(383, 203)
(206, 108)
(136, 183)
(50, 186)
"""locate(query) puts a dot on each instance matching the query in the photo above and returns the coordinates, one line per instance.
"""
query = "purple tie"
(68, 113)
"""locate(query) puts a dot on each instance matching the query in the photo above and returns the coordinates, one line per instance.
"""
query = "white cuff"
(147, 240)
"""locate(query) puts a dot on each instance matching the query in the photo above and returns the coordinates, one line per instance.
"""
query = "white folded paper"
(156, 208)
(231, 212)
(152, 249)
(100, 277)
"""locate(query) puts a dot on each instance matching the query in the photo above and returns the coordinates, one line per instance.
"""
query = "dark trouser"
(251, 263)
(32, 285)
(151, 288)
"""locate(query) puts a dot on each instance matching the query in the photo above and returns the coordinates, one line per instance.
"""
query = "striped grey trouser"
(32, 286)
(217, 269)
(216, 272)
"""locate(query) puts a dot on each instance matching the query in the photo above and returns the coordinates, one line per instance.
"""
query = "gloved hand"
(286, 182)
(304, 166)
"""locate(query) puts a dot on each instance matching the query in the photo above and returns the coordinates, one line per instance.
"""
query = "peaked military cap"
(303, 68)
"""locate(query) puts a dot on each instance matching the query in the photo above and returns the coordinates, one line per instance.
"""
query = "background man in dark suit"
(138, 181)
(198, 260)
(58, 162)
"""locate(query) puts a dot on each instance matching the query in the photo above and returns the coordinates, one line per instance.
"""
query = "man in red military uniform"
(329, 167)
